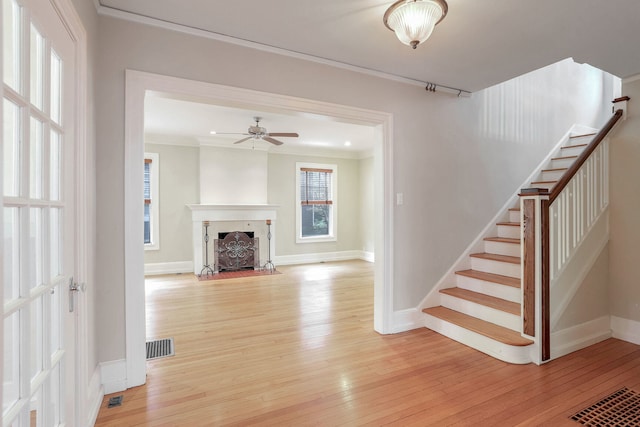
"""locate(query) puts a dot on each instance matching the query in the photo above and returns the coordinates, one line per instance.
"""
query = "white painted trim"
(333, 220)
(507, 353)
(155, 202)
(406, 320)
(316, 257)
(174, 267)
(114, 375)
(580, 336)
(145, 20)
(626, 329)
(137, 84)
(367, 256)
(95, 394)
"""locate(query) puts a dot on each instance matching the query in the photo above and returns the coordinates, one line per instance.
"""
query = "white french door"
(38, 99)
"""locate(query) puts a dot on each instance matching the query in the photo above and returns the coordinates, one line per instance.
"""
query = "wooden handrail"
(600, 136)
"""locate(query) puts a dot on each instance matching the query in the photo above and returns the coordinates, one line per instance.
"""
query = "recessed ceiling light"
(347, 143)
(213, 132)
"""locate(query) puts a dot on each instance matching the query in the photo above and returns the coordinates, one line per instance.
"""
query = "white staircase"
(480, 306)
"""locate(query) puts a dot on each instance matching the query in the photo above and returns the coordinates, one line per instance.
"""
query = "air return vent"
(160, 348)
(621, 408)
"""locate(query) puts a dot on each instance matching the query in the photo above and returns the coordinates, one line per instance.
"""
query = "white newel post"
(534, 204)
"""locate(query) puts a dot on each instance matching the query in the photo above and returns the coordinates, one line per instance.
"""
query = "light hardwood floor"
(299, 349)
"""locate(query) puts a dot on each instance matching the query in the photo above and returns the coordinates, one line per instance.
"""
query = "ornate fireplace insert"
(237, 250)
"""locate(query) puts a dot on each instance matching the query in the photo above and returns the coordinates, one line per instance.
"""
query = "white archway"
(137, 85)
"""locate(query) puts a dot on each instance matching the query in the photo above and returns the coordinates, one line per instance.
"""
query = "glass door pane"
(11, 148)
(11, 44)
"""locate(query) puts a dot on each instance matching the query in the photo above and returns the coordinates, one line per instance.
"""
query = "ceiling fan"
(259, 132)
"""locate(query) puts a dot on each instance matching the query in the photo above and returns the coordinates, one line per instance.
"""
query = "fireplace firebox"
(236, 250)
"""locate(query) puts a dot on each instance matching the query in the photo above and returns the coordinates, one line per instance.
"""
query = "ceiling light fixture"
(413, 20)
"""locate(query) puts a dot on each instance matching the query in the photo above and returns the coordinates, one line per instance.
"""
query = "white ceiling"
(479, 43)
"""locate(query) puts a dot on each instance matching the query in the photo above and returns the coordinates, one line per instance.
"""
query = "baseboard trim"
(318, 257)
(580, 336)
(406, 320)
(95, 396)
(152, 269)
(625, 329)
(114, 376)
(367, 256)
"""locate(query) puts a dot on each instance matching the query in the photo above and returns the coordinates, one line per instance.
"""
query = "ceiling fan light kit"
(413, 20)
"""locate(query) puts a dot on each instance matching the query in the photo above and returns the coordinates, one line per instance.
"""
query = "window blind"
(315, 186)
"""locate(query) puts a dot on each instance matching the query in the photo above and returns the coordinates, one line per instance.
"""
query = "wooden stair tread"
(544, 182)
(503, 240)
(511, 224)
(573, 146)
(489, 330)
(514, 209)
(491, 277)
(564, 158)
(482, 299)
(555, 169)
(582, 135)
(496, 257)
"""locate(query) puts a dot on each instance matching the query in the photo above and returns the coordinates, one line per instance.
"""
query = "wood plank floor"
(299, 349)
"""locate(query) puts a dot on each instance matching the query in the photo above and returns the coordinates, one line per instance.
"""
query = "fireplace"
(225, 218)
(236, 250)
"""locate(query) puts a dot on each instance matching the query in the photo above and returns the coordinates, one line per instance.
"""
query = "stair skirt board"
(507, 353)
(497, 290)
(482, 312)
(496, 267)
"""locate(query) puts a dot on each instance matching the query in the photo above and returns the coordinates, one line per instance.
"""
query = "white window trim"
(155, 202)
(333, 221)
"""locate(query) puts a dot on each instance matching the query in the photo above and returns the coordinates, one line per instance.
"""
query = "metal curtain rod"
(434, 87)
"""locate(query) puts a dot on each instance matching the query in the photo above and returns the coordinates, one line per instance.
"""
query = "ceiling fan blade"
(271, 140)
(243, 140)
(288, 134)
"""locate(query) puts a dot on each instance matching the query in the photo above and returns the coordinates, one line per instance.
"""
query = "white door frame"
(137, 85)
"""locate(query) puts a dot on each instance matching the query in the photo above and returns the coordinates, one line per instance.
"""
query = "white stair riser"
(500, 248)
(514, 216)
(504, 352)
(561, 163)
(497, 290)
(509, 231)
(482, 312)
(573, 151)
(496, 267)
(552, 175)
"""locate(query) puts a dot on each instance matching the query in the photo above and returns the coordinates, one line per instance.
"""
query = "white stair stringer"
(519, 355)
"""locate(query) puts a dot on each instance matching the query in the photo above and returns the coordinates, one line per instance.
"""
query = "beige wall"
(456, 160)
(625, 211)
(282, 180)
(591, 301)
(366, 205)
(179, 186)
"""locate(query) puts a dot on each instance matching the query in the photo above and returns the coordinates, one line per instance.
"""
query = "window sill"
(318, 239)
(151, 247)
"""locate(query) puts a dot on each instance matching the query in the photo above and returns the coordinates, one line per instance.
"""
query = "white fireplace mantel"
(221, 213)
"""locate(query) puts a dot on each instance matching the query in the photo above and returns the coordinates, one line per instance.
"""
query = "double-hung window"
(316, 202)
(151, 201)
